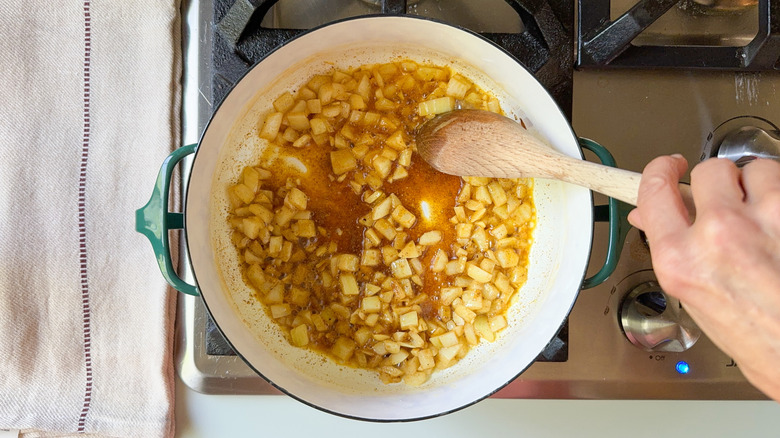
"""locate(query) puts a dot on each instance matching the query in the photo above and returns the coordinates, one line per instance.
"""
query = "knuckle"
(659, 177)
(769, 207)
(654, 184)
(662, 166)
(713, 169)
(721, 227)
(764, 166)
(713, 165)
(667, 256)
(768, 212)
(671, 269)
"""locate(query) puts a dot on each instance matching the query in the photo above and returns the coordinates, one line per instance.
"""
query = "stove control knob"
(654, 321)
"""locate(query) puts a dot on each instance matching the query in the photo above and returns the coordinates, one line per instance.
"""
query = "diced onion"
(383, 291)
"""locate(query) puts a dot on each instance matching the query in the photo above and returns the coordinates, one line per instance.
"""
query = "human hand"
(724, 266)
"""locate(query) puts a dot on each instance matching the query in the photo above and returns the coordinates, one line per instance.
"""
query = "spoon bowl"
(482, 143)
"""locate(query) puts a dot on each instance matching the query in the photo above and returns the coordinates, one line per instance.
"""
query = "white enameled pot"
(558, 259)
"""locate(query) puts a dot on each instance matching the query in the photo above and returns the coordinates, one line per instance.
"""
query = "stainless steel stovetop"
(635, 113)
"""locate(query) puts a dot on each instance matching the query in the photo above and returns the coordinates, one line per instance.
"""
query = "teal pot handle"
(616, 213)
(154, 220)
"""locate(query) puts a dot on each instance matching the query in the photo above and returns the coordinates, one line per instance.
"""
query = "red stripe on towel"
(82, 219)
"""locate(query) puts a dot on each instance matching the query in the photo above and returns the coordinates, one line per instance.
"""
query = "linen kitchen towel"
(89, 110)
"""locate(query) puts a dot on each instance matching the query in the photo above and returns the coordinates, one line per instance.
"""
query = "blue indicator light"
(682, 367)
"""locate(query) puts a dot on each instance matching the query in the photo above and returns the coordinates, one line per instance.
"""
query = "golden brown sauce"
(430, 195)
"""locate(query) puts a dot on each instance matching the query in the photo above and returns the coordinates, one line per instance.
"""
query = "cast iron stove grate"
(603, 42)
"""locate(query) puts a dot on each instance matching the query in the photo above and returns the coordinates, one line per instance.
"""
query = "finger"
(635, 219)
(716, 183)
(659, 204)
(760, 179)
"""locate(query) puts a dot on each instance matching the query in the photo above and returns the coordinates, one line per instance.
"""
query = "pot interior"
(558, 259)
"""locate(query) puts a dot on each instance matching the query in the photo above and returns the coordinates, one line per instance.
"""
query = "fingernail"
(677, 156)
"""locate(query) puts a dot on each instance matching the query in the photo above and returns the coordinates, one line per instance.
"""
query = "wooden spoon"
(482, 143)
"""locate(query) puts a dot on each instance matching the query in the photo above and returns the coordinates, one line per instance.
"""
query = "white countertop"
(199, 415)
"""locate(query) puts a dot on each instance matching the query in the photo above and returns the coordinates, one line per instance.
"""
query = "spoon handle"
(616, 183)
(620, 184)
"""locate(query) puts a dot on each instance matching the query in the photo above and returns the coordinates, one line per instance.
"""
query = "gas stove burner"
(742, 140)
